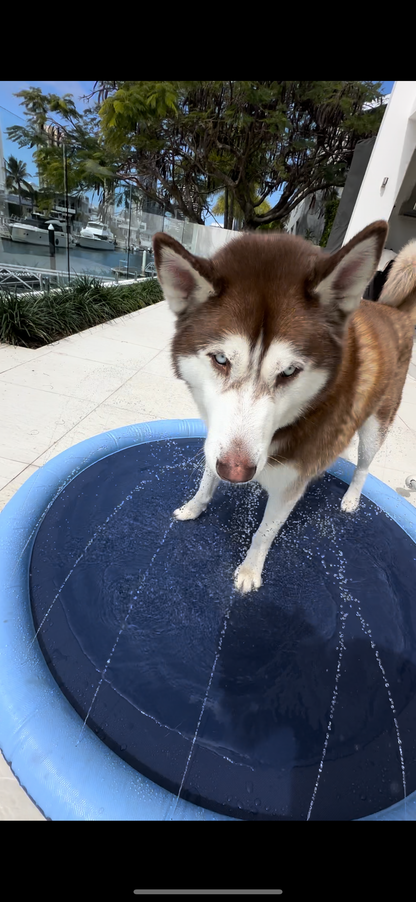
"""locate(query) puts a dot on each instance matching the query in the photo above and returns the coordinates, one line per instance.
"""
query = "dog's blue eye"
(221, 359)
(289, 371)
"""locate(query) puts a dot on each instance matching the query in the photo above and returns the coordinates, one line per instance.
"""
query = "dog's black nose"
(235, 470)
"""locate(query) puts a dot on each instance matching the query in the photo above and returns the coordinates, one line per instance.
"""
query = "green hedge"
(32, 320)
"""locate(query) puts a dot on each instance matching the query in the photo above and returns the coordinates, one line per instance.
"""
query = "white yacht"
(96, 235)
(34, 231)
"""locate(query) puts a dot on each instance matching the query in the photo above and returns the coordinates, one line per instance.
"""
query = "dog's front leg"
(199, 502)
(279, 505)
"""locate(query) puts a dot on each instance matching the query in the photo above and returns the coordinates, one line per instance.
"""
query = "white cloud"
(384, 100)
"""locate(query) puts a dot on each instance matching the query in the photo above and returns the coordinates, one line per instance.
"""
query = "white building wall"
(392, 153)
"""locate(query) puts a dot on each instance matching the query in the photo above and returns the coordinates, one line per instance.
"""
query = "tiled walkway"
(115, 375)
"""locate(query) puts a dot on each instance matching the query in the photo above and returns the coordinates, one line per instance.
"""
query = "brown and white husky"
(286, 362)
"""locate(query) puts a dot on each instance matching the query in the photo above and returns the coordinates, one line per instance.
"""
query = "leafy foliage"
(16, 177)
(36, 319)
(190, 139)
(181, 142)
(233, 212)
(53, 121)
(331, 208)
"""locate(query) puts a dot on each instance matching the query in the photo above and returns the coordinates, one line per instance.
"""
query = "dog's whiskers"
(198, 465)
(200, 451)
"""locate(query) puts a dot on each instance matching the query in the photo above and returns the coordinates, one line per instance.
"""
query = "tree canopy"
(51, 122)
(232, 212)
(182, 142)
(190, 138)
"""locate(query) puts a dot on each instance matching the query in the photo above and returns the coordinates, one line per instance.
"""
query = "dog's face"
(259, 333)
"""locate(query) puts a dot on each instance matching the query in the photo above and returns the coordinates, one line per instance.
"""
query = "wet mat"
(296, 701)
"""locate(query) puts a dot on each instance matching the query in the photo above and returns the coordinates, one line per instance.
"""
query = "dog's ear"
(340, 279)
(186, 280)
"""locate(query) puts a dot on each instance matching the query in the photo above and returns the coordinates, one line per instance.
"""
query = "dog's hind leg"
(193, 508)
(371, 437)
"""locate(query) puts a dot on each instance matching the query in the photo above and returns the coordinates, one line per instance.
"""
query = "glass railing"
(108, 243)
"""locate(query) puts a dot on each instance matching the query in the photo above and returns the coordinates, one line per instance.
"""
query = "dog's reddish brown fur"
(369, 380)
(267, 283)
(283, 310)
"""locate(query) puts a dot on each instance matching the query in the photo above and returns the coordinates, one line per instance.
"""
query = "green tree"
(190, 139)
(331, 207)
(181, 142)
(16, 179)
(276, 225)
(53, 121)
(232, 212)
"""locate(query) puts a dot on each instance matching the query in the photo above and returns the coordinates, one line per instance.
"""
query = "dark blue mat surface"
(306, 688)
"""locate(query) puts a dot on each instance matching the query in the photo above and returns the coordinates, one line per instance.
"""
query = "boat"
(34, 231)
(96, 236)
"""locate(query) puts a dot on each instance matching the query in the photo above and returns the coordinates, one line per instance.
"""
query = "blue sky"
(11, 112)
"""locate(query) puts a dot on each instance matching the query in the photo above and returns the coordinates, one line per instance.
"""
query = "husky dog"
(286, 362)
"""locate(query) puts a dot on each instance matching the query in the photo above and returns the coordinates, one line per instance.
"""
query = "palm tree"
(228, 207)
(16, 176)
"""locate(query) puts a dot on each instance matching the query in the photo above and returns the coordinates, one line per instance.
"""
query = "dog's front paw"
(350, 502)
(247, 578)
(189, 511)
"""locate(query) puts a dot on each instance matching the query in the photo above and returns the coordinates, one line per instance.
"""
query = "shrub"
(35, 319)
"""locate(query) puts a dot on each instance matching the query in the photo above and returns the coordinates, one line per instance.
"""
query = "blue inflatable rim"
(66, 778)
